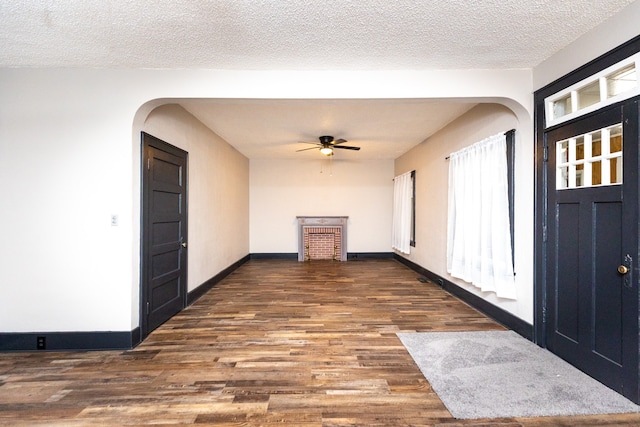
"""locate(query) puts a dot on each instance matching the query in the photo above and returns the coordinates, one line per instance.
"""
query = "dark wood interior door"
(592, 246)
(164, 232)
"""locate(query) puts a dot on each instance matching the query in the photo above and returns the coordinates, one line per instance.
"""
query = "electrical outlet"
(440, 282)
(41, 343)
(114, 220)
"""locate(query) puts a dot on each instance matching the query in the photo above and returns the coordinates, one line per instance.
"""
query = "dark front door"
(592, 245)
(164, 232)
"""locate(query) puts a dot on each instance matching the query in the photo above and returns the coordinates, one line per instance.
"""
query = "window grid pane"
(562, 106)
(622, 81)
(588, 95)
(591, 159)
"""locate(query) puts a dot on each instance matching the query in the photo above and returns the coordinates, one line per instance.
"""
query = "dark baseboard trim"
(269, 255)
(350, 255)
(69, 341)
(496, 313)
(369, 255)
(206, 286)
(82, 341)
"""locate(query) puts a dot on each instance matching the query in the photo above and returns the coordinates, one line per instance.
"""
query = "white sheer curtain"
(402, 193)
(478, 234)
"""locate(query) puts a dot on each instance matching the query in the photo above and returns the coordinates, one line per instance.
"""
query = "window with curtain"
(478, 226)
(401, 235)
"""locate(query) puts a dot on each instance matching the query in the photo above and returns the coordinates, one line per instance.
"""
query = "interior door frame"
(147, 140)
(541, 282)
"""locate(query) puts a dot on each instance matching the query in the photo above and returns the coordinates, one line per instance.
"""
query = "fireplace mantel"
(322, 221)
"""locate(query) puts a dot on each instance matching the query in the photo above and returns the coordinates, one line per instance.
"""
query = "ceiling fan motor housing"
(326, 140)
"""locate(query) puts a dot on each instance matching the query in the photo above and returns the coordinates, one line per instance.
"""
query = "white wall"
(284, 189)
(218, 192)
(65, 160)
(428, 160)
(70, 155)
(613, 32)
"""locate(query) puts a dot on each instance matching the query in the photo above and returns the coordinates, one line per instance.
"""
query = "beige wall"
(218, 204)
(284, 189)
(428, 160)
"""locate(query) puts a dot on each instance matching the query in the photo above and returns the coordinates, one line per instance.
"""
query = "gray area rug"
(501, 374)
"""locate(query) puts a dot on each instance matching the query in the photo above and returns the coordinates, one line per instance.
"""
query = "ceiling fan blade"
(305, 142)
(305, 149)
(339, 141)
(346, 147)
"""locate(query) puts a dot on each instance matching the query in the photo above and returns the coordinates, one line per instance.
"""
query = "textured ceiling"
(293, 34)
(300, 35)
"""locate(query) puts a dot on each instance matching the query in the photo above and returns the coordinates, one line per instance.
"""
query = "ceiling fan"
(327, 144)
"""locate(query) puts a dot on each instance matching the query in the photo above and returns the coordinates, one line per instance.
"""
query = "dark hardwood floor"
(276, 343)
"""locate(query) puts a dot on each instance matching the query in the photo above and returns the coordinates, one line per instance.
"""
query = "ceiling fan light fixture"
(327, 144)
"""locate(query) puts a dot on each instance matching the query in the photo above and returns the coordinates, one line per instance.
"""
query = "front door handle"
(184, 245)
(623, 269)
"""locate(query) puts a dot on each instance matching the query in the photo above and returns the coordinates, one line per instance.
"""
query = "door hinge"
(544, 233)
(148, 307)
(148, 164)
(545, 154)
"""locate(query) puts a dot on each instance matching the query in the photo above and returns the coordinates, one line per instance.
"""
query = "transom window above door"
(613, 84)
(590, 160)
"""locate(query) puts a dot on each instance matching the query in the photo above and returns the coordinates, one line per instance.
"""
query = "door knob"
(184, 245)
(623, 269)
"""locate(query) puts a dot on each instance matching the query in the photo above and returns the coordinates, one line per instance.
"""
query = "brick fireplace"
(322, 237)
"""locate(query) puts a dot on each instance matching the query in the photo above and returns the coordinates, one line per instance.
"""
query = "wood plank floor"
(276, 343)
